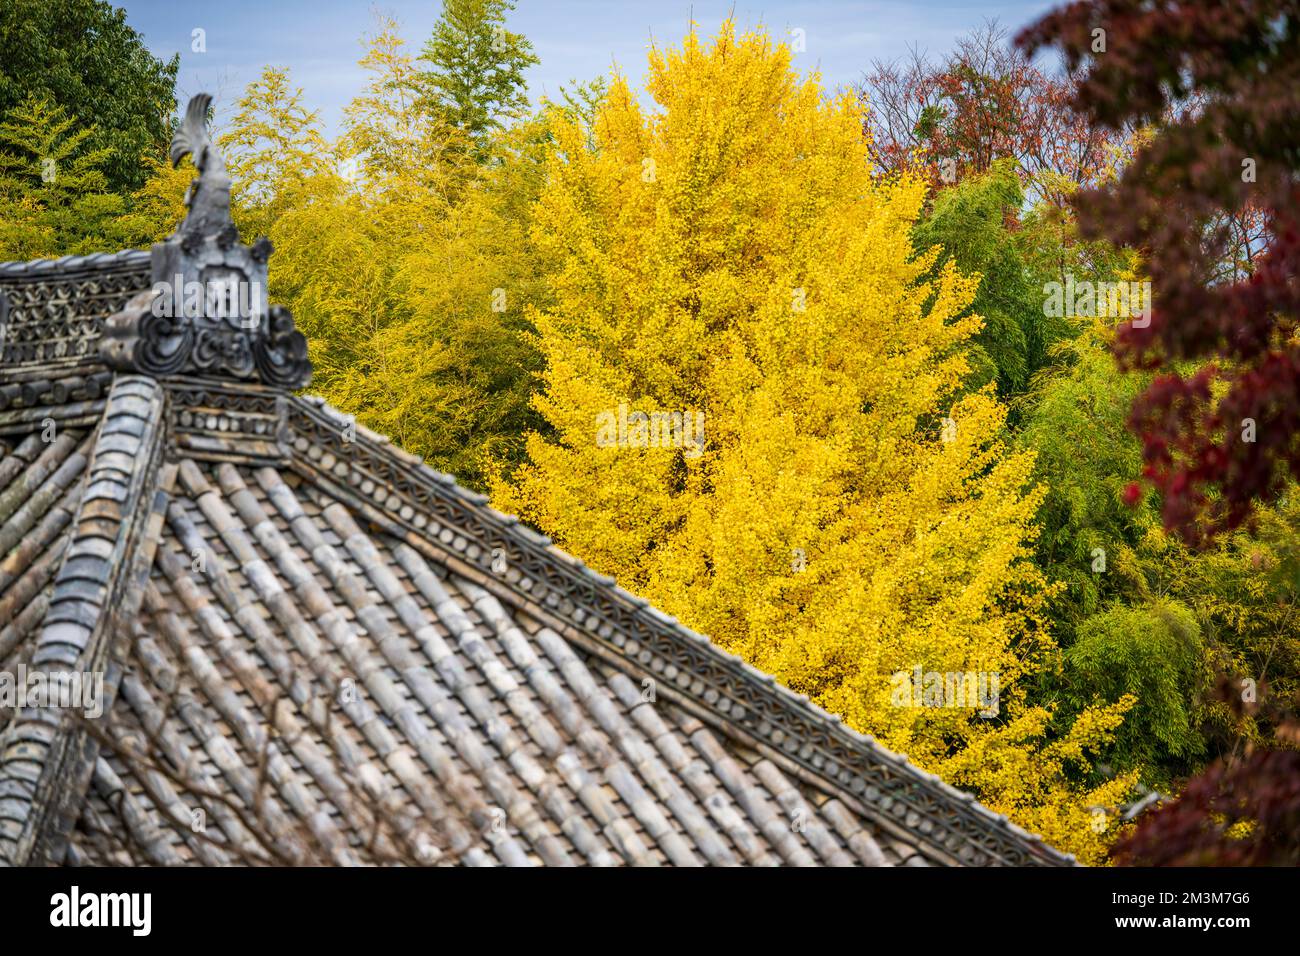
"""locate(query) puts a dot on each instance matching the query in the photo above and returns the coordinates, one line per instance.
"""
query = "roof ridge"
(418, 497)
(22, 268)
(46, 758)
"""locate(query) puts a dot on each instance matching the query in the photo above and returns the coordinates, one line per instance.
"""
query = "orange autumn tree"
(749, 384)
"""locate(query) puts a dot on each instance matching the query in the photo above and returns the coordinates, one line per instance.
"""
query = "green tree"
(1153, 651)
(82, 55)
(1101, 549)
(969, 221)
(1246, 592)
(475, 78)
(387, 136)
(1138, 612)
(54, 194)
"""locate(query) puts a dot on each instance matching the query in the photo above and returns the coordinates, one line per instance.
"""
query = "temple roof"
(315, 648)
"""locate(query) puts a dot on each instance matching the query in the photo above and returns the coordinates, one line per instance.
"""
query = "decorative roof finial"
(207, 313)
(208, 198)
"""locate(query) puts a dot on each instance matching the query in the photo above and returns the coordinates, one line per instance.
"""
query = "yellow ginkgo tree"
(749, 385)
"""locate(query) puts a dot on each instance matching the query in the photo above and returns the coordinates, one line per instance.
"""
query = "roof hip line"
(419, 501)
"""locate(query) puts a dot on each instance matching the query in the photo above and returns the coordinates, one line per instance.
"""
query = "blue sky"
(319, 40)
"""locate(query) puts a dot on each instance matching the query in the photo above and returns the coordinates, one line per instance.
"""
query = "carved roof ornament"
(207, 313)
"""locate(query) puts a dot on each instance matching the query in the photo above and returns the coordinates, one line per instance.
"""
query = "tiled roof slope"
(499, 686)
(549, 754)
(314, 648)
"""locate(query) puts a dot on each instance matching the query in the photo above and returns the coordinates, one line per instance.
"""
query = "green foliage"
(156, 208)
(1239, 596)
(54, 194)
(1076, 423)
(972, 222)
(1153, 651)
(83, 57)
(1246, 592)
(475, 79)
(1051, 246)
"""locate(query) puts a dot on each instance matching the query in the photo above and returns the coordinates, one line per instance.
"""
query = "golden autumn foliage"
(699, 338)
(404, 262)
(728, 259)
(736, 379)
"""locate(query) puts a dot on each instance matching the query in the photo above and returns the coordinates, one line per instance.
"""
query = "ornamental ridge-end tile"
(207, 313)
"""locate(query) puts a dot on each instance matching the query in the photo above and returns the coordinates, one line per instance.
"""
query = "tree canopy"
(82, 57)
(825, 385)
